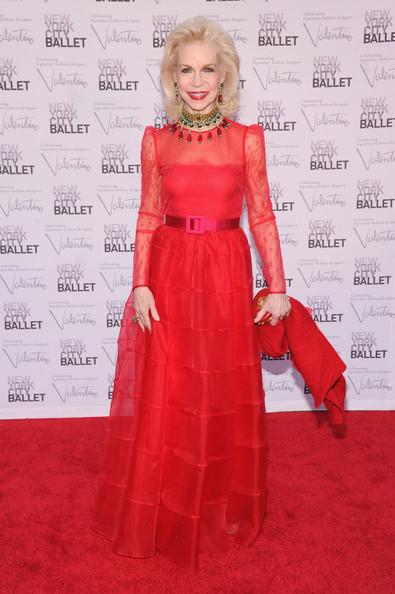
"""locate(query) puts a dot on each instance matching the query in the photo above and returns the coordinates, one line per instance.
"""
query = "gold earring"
(177, 93)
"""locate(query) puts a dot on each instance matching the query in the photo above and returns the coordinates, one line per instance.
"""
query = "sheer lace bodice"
(208, 179)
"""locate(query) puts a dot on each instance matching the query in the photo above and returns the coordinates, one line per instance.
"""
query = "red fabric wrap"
(311, 354)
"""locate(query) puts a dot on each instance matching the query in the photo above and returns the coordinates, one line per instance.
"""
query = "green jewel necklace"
(196, 121)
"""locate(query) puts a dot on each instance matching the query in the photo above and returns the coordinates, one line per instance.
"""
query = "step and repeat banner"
(79, 81)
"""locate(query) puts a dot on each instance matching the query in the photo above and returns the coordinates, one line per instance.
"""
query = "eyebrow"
(211, 64)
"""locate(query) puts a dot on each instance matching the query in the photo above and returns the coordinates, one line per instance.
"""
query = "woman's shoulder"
(254, 128)
(249, 130)
(152, 132)
(156, 128)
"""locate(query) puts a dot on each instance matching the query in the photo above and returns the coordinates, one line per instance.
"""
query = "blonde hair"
(199, 28)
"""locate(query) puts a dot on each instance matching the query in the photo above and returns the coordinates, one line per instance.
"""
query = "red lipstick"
(198, 96)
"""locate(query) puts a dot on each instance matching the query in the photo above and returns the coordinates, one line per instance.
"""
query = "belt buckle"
(189, 226)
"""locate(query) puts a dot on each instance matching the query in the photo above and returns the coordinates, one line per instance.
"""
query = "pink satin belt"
(201, 223)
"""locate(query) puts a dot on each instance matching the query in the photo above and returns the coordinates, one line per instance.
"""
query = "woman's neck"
(200, 121)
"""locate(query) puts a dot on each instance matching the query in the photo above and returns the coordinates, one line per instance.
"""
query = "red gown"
(185, 462)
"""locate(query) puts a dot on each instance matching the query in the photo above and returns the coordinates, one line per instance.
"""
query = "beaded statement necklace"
(196, 121)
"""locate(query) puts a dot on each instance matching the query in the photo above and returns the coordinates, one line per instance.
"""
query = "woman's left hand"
(276, 304)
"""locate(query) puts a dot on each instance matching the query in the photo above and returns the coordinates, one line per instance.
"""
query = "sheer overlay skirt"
(185, 461)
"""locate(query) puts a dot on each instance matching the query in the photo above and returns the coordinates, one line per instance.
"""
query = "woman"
(186, 458)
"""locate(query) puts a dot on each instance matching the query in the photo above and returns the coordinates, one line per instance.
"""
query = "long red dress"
(185, 461)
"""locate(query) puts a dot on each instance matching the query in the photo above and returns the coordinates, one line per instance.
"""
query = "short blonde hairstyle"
(199, 28)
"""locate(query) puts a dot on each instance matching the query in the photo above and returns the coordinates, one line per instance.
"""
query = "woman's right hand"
(144, 302)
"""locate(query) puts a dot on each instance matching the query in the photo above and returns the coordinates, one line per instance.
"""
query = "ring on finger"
(266, 318)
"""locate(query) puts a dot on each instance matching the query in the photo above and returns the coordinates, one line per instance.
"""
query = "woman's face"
(198, 75)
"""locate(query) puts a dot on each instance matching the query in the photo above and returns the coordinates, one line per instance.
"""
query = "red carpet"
(329, 526)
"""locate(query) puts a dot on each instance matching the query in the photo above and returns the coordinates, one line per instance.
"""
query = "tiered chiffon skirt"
(184, 466)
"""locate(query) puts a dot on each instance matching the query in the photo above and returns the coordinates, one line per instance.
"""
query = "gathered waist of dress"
(201, 223)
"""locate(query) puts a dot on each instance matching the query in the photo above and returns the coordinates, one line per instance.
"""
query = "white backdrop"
(78, 83)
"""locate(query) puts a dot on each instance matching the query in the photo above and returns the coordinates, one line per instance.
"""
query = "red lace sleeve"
(150, 214)
(261, 218)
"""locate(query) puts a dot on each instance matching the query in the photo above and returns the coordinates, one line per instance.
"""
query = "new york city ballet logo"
(115, 160)
(59, 32)
(12, 162)
(322, 307)
(73, 353)
(114, 313)
(21, 388)
(367, 272)
(272, 117)
(160, 116)
(371, 195)
(14, 240)
(71, 279)
(374, 112)
(272, 31)
(322, 234)
(67, 201)
(18, 316)
(9, 79)
(113, 76)
(378, 26)
(117, 238)
(277, 196)
(327, 73)
(63, 119)
(364, 346)
(324, 156)
(162, 25)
